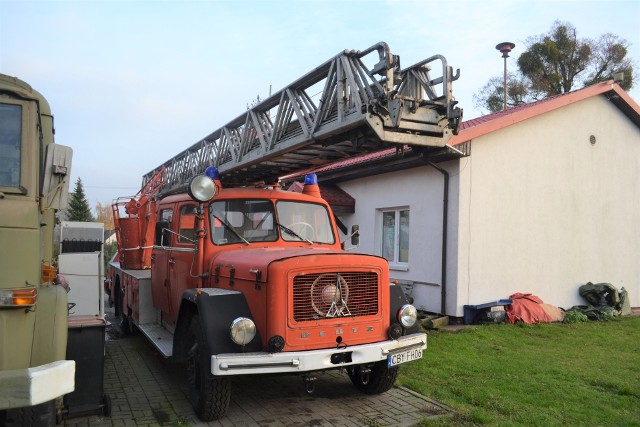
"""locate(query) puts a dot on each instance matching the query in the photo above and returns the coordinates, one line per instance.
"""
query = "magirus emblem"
(329, 295)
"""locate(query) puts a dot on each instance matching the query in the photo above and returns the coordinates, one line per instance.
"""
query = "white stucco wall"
(421, 190)
(543, 210)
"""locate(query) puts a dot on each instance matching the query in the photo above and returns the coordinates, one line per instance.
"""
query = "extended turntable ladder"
(346, 106)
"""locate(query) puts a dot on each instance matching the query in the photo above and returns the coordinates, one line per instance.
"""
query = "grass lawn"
(583, 374)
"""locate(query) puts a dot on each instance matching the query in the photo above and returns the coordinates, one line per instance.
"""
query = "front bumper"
(312, 360)
(32, 386)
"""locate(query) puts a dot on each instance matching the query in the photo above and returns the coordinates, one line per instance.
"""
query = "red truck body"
(280, 255)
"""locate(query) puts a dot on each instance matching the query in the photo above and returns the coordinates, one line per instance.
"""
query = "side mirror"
(57, 171)
(355, 235)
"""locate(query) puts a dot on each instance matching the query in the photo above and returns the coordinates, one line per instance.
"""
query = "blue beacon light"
(212, 172)
(311, 179)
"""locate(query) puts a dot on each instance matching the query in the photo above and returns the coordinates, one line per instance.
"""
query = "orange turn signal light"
(48, 273)
(18, 297)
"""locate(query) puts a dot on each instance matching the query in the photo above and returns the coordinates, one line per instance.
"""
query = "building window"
(395, 237)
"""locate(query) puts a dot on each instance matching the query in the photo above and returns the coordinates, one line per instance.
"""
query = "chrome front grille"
(330, 295)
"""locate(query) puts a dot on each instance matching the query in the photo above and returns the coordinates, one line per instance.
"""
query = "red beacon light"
(311, 187)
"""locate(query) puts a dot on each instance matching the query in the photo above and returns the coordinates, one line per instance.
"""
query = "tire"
(117, 299)
(380, 380)
(43, 415)
(127, 328)
(209, 396)
(106, 406)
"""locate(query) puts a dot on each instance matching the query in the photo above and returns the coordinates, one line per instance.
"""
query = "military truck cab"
(33, 311)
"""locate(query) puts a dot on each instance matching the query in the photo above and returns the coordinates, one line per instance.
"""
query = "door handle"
(172, 261)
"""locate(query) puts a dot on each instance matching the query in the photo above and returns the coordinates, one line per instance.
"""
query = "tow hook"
(364, 375)
(309, 383)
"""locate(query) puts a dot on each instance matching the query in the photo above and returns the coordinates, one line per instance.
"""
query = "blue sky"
(132, 83)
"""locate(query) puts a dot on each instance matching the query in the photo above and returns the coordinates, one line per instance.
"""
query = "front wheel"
(373, 379)
(209, 396)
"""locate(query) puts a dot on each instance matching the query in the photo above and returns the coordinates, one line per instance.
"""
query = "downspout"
(445, 215)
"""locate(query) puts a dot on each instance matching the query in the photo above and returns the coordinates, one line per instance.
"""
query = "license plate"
(404, 357)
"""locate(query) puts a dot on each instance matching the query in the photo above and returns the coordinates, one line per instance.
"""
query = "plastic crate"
(471, 312)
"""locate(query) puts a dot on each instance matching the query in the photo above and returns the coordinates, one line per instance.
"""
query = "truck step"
(159, 336)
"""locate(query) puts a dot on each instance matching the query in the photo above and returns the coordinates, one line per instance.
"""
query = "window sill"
(396, 267)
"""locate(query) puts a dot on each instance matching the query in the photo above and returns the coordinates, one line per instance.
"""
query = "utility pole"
(505, 48)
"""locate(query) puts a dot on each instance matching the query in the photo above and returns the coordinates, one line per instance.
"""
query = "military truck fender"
(216, 309)
(397, 299)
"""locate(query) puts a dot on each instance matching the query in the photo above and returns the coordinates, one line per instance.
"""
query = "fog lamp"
(275, 344)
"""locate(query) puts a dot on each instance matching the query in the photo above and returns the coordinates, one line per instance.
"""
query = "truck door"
(181, 259)
(160, 260)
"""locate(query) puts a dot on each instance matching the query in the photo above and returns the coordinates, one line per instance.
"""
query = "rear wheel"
(117, 299)
(43, 415)
(373, 379)
(126, 322)
(209, 396)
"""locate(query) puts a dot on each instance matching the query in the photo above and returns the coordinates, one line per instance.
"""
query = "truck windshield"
(10, 135)
(242, 221)
(250, 220)
(308, 221)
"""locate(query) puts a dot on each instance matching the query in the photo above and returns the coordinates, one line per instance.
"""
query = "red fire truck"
(225, 271)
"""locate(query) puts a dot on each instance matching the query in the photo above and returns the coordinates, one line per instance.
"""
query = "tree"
(78, 209)
(556, 63)
(104, 214)
(491, 96)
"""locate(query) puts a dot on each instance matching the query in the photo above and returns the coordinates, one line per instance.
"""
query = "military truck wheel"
(43, 415)
(209, 396)
(378, 380)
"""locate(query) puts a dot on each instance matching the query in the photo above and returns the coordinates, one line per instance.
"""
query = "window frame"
(21, 187)
(394, 263)
(183, 210)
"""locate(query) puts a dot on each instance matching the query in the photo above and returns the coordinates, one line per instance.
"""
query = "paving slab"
(147, 390)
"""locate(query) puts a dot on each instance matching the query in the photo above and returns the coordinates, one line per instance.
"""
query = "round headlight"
(243, 330)
(407, 315)
(202, 188)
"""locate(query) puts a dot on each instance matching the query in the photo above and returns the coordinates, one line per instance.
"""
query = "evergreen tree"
(78, 209)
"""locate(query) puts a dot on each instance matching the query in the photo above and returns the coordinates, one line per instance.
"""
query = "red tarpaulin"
(526, 308)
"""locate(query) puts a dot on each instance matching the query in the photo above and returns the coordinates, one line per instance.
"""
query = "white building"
(541, 199)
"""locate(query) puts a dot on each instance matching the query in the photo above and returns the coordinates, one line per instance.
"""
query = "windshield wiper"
(230, 228)
(293, 233)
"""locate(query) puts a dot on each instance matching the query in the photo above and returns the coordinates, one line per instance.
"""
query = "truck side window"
(186, 233)
(163, 238)
(10, 137)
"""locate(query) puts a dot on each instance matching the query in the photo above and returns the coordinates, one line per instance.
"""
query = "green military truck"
(34, 180)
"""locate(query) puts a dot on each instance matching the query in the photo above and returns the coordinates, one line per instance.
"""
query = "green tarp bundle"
(604, 301)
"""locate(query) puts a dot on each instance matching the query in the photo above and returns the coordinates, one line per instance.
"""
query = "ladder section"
(358, 101)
